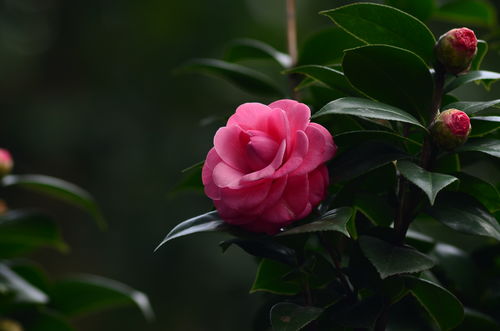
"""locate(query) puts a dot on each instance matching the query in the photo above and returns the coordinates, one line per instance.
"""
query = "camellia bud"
(450, 129)
(5, 162)
(456, 49)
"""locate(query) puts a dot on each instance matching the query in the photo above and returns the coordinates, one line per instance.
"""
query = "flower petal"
(268, 171)
(226, 176)
(229, 143)
(250, 116)
(298, 113)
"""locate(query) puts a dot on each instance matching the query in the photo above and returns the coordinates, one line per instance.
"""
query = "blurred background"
(88, 93)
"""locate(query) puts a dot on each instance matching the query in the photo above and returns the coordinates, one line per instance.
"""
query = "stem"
(335, 257)
(408, 197)
(291, 24)
(291, 34)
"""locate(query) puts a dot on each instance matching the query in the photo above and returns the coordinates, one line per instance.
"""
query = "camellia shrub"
(368, 191)
(29, 299)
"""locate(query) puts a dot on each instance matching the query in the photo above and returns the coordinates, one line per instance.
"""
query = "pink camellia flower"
(6, 163)
(450, 129)
(267, 167)
(456, 49)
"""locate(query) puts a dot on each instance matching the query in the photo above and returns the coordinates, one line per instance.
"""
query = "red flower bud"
(456, 49)
(6, 163)
(450, 129)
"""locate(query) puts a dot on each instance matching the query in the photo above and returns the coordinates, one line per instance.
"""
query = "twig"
(291, 34)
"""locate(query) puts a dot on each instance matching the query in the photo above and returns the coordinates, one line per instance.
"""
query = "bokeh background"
(89, 93)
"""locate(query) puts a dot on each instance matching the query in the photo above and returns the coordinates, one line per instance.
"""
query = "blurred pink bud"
(456, 49)
(5, 162)
(450, 129)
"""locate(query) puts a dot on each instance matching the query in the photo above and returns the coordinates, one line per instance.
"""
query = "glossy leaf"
(84, 294)
(475, 12)
(287, 316)
(263, 248)
(332, 220)
(19, 288)
(470, 77)
(488, 146)
(352, 138)
(270, 277)
(366, 108)
(464, 214)
(380, 24)
(477, 321)
(442, 305)
(332, 78)
(484, 125)
(47, 320)
(483, 191)
(242, 49)
(421, 9)
(382, 72)
(18, 227)
(390, 259)
(375, 209)
(208, 222)
(327, 47)
(482, 49)
(429, 182)
(245, 78)
(363, 159)
(59, 189)
(477, 108)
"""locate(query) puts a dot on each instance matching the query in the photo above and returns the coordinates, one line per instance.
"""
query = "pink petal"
(260, 151)
(298, 113)
(229, 143)
(330, 147)
(319, 151)
(297, 155)
(270, 169)
(277, 125)
(211, 190)
(226, 176)
(318, 183)
(250, 116)
(296, 193)
(246, 199)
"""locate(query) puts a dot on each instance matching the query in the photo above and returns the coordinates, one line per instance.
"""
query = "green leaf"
(366, 108)
(352, 138)
(421, 9)
(383, 73)
(20, 290)
(208, 222)
(84, 294)
(362, 314)
(245, 78)
(18, 227)
(464, 214)
(477, 321)
(362, 159)
(270, 277)
(327, 47)
(380, 24)
(444, 308)
(484, 125)
(488, 146)
(263, 248)
(470, 77)
(474, 108)
(482, 49)
(287, 316)
(332, 78)
(59, 189)
(390, 259)
(375, 209)
(242, 49)
(332, 220)
(47, 320)
(474, 12)
(429, 182)
(483, 191)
